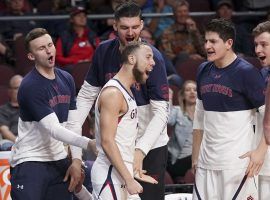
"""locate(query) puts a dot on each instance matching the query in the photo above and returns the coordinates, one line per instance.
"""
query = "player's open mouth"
(147, 72)
(50, 58)
(262, 58)
(129, 39)
(210, 52)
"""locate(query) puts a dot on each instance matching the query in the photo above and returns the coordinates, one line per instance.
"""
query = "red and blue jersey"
(230, 97)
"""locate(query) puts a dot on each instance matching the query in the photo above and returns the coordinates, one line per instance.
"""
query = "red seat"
(188, 178)
(23, 64)
(199, 5)
(79, 72)
(6, 72)
(3, 95)
(168, 179)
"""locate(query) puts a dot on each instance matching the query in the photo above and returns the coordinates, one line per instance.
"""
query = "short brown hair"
(33, 34)
(130, 48)
(261, 28)
(179, 4)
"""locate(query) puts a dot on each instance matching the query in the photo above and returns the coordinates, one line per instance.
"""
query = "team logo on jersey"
(217, 76)
(216, 88)
(133, 113)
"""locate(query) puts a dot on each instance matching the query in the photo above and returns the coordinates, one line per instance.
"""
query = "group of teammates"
(131, 137)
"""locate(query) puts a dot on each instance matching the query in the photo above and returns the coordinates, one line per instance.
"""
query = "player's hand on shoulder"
(133, 187)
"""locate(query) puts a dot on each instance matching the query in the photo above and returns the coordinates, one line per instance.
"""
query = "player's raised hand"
(133, 187)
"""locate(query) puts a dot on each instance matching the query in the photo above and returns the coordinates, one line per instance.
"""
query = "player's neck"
(46, 72)
(126, 80)
(226, 60)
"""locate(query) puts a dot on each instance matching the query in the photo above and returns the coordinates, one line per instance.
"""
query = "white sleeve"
(198, 122)
(85, 99)
(58, 132)
(155, 127)
(84, 194)
(74, 126)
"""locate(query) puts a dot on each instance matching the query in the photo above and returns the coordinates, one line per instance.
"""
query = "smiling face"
(190, 93)
(181, 14)
(128, 29)
(144, 64)
(42, 51)
(262, 48)
(216, 49)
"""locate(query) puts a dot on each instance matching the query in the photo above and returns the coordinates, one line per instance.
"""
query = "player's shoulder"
(204, 66)
(111, 93)
(106, 44)
(30, 80)
(62, 73)
(243, 64)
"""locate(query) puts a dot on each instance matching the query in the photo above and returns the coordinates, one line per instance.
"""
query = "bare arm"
(109, 113)
(198, 126)
(197, 140)
(7, 134)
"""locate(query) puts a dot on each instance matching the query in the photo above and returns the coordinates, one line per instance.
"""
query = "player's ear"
(30, 56)
(114, 25)
(131, 59)
(229, 43)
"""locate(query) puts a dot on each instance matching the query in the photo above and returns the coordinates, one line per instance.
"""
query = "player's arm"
(198, 126)
(111, 103)
(53, 127)
(80, 191)
(257, 156)
(197, 140)
(266, 120)
(85, 99)
(254, 87)
(6, 133)
(155, 127)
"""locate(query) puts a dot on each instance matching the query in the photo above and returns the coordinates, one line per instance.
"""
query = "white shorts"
(224, 185)
(107, 183)
(264, 187)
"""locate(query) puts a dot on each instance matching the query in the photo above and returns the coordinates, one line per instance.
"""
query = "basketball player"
(151, 98)
(261, 35)
(117, 126)
(47, 101)
(229, 91)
